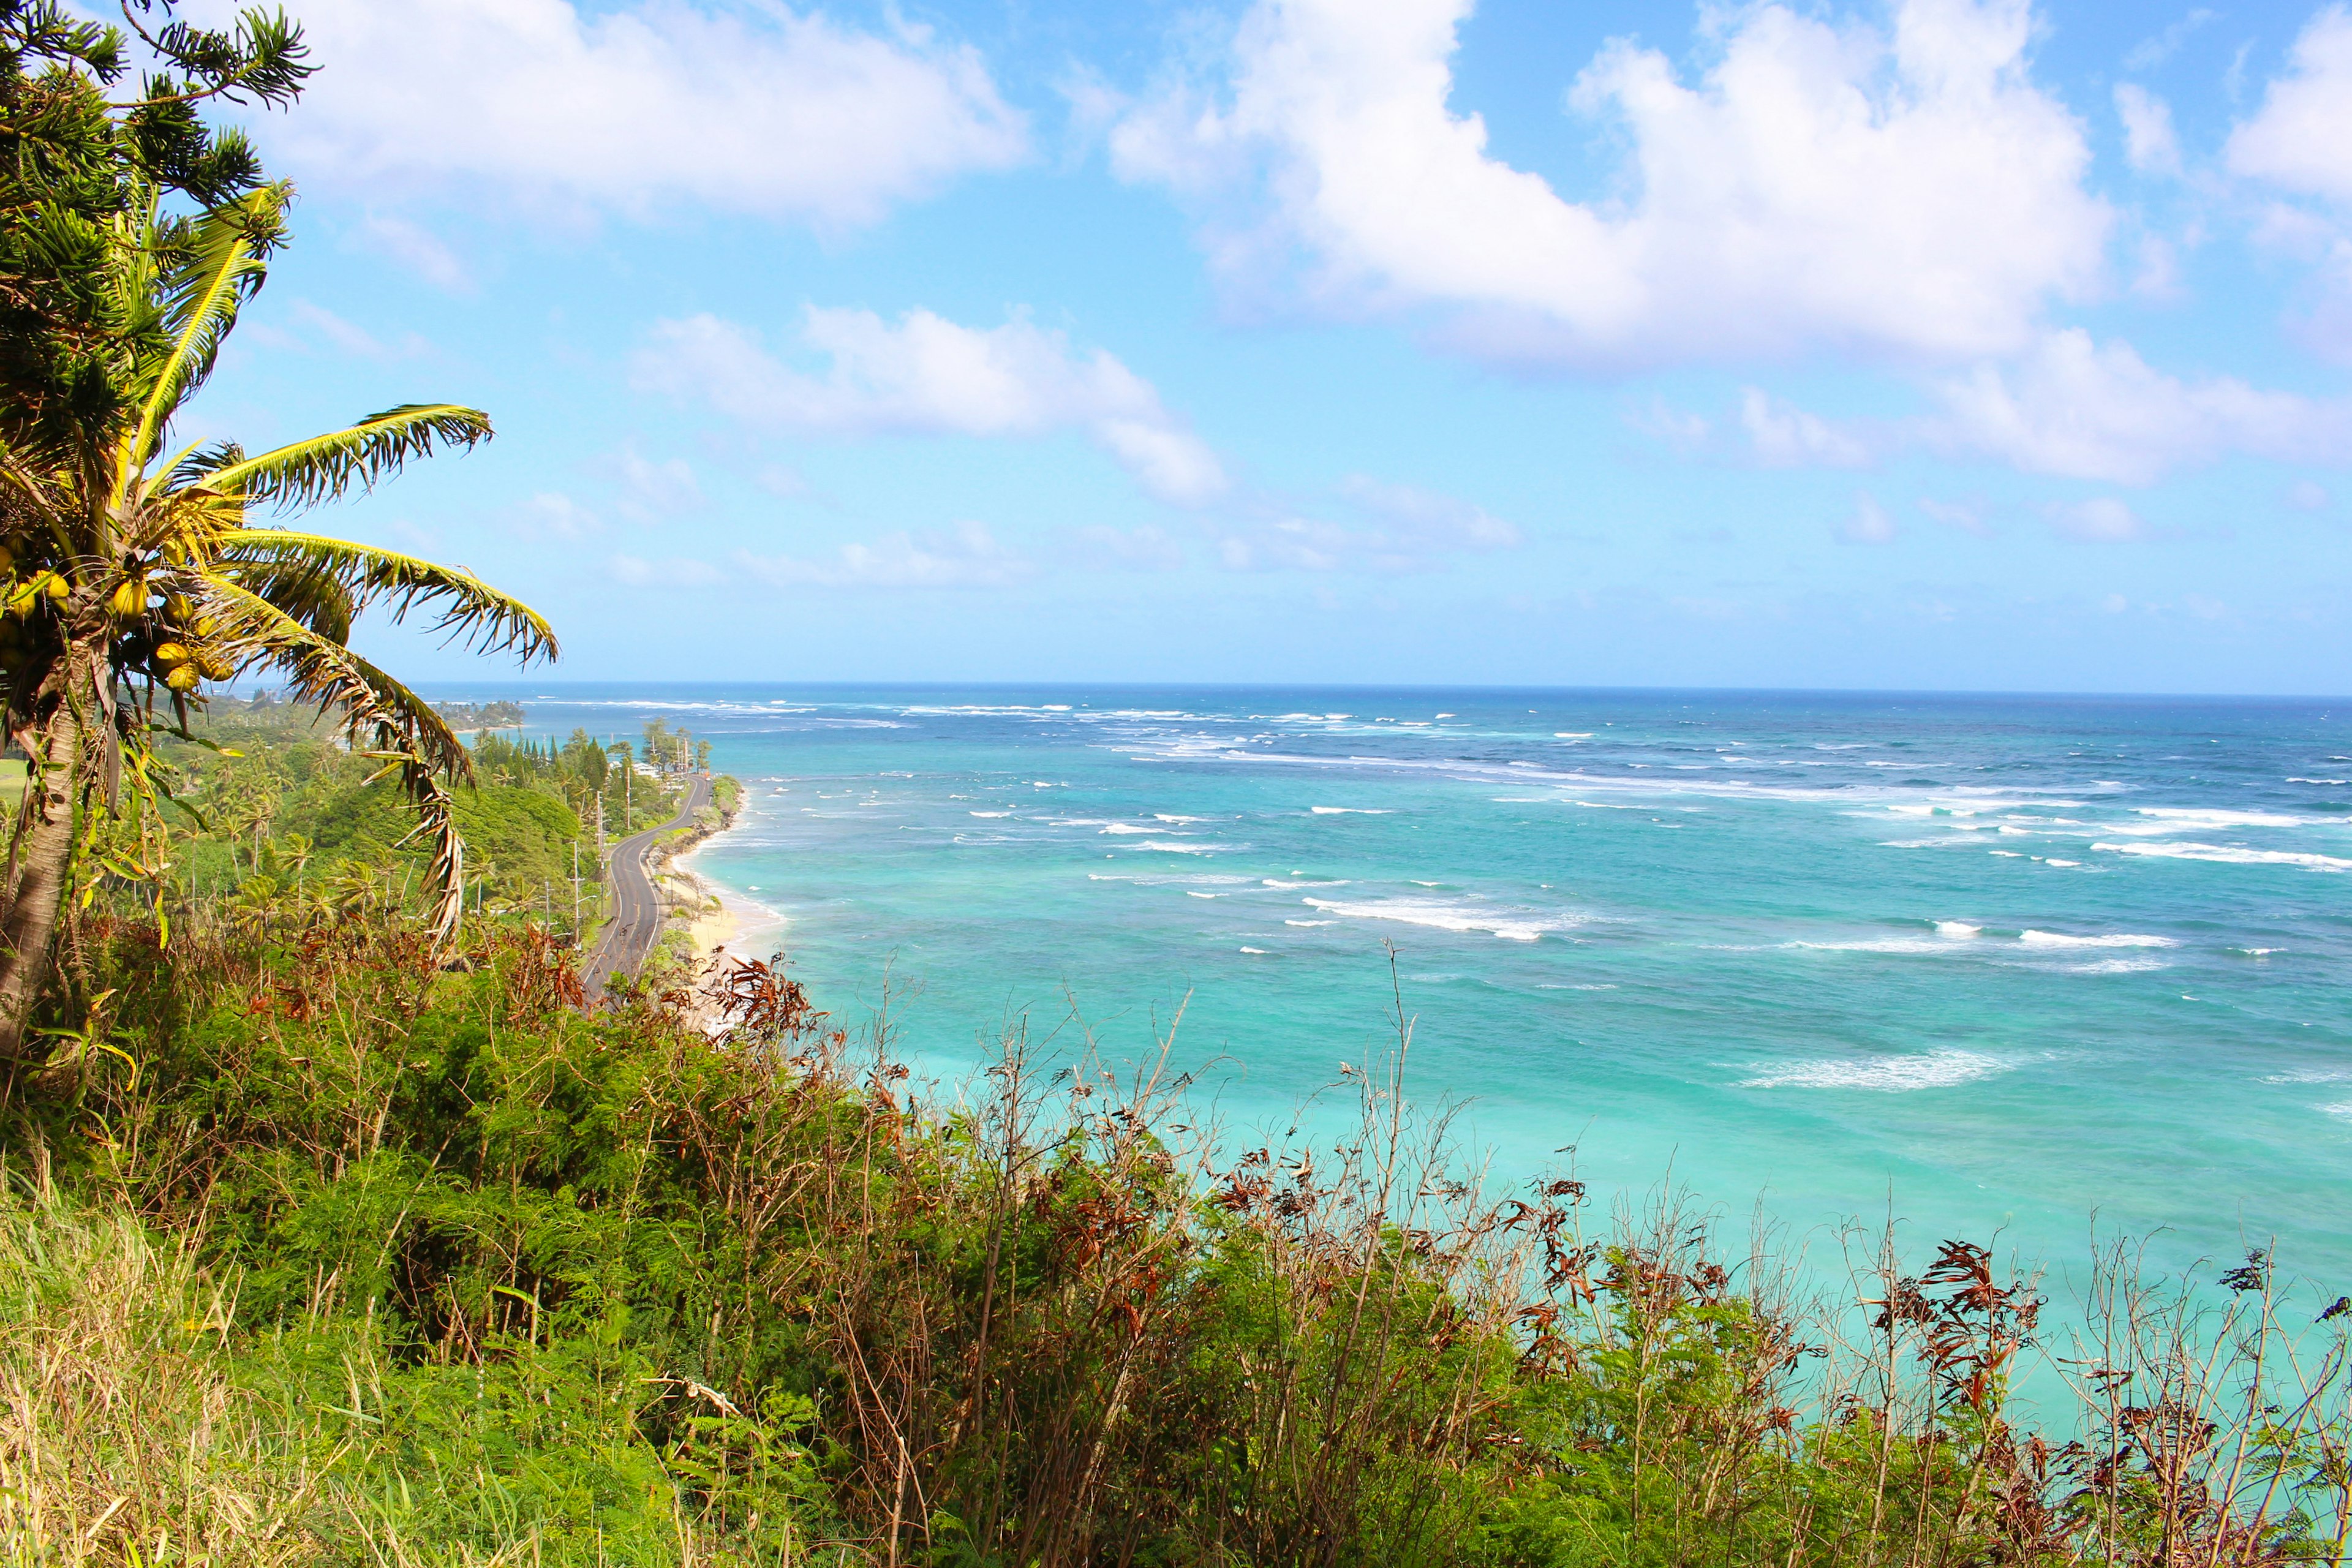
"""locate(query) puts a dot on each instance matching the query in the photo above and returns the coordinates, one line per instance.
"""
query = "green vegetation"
(279, 817)
(318, 1253)
(132, 568)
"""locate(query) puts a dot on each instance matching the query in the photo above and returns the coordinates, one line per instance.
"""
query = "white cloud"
(2305, 495)
(927, 376)
(1821, 188)
(676, 572)
(2302, 138)
(2149, 141)
(416, 249)
(1869, 524)
(746, 106)
(2076, 408)
(2086, 411)
(1786, 437)
(2103, 520)
(966, 556)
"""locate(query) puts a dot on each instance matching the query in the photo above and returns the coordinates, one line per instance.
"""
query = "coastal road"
(637, 915)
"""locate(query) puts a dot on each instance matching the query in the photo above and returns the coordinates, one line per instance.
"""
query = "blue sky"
(1939, 344)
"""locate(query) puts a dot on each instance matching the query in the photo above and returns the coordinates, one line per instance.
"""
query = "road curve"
(636, 917)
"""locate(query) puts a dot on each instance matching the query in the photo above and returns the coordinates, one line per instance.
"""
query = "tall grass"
(476, 1278)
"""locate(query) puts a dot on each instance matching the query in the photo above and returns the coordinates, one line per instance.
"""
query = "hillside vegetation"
(316, 1252)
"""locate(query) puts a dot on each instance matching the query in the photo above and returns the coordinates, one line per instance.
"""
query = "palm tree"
(135, 573)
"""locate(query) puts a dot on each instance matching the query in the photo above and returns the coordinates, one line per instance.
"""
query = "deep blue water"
(2002, 963)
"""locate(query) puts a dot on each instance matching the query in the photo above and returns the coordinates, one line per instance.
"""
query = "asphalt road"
(637, 920)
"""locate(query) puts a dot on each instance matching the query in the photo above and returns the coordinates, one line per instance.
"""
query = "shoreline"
(714, 915)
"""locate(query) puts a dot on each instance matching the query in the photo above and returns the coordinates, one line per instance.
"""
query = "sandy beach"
(726, 920)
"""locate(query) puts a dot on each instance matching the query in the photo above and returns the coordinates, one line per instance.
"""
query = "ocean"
(2006, 967)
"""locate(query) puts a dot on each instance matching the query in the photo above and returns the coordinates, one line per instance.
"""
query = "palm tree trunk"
(43, 854)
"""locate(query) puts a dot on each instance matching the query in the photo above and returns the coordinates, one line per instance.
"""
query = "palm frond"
(308, 591)
(381, 716)
(470, 610)
(323, 468)
(218, 265)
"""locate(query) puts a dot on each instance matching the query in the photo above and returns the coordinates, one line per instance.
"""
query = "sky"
(1931, 344)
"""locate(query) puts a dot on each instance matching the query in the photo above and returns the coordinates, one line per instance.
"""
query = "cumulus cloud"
(2300, 143)
(2075, 407)
(2301, 140)
(927, 376)
(1909, 194)
(965, 556)
(746, 106)
(2089, 410)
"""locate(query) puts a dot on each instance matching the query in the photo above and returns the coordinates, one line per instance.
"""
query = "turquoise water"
(2006, 964)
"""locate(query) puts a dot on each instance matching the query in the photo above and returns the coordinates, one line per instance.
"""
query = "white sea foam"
(2117, 938)
(2342, 1108)
(2008, 854)
(1877, 944)
(1127, 828)
(1171, 816)
(1258, 951)
(1452, 914)
(2232, 854)
(1555, 985)
(991, 813)
(2309, 1074)
(1277, 883)
(1196, 893)
(2161, 820)
(1572, 734)
(1310, 922)
(1167, 849)
(2064, 865)
(2117, 966)
(1956, 929)
(1883, 1074)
